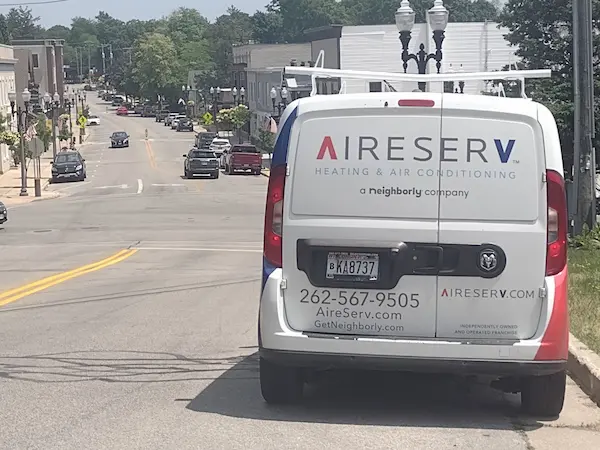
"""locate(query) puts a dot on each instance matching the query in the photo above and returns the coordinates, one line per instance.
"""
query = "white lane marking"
(121, 186)
(201, 249)
(169, 185)
(71, 187)
(140, 186)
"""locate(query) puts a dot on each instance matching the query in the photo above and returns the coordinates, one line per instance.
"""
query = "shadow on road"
(368, 398)
(384, 399)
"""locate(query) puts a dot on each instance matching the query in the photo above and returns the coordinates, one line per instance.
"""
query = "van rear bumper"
(280, 343)
(327, 361)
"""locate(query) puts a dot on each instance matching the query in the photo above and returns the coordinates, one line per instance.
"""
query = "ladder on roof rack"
(321, 72)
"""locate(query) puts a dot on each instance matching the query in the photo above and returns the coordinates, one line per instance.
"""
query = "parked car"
(219, 146)
(93, 120)
(204, 139)
(170, 118)
(138, 108)
(200, 162)
(3, 213)
(117, 100)
(119, 139)
(185, 124)
(68, 165)
(122, 111)
(161, 115)
(149, 111)
(243, 157)
(176, 120)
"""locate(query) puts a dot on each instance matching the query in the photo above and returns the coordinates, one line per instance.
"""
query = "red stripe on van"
(555, 343)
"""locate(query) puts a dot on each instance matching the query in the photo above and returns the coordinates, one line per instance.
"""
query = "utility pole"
(584, 158)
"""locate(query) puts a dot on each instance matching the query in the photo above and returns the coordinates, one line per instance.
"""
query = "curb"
(264, 173)
(584, 367)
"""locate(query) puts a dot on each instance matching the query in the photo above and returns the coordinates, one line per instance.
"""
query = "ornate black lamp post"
(52, 104)
(279, 106)
(438, 21)
(22, 127)
(215, 93)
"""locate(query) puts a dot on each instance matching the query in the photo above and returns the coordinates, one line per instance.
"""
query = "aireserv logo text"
(420, 149)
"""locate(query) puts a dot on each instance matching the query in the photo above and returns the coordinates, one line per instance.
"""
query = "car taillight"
(556, 252)
(274, 216)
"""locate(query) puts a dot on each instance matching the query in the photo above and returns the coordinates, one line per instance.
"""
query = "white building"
(467, 47)
(7, 84)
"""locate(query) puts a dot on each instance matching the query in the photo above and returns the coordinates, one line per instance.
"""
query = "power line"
(40, 2)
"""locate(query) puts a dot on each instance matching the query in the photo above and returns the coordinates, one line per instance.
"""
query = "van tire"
(544, 396)
(280, 384)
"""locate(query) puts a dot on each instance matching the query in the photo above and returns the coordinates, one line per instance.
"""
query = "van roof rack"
(321, 72)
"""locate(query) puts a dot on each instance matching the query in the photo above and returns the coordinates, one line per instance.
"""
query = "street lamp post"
(22, 125)
(215, 99)
(438, 21)
(54, 102)
(279, 105)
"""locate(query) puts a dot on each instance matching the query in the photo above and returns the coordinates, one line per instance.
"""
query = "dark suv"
(68, 165)
(185, 125)
(204, 139)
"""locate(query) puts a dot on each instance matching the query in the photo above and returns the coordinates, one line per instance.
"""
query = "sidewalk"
(10, 183)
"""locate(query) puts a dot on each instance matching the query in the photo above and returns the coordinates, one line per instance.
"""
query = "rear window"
(202, 154)
(69, 157)
(244, 149)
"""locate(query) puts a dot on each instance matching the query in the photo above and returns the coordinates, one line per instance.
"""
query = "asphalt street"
(142, 332)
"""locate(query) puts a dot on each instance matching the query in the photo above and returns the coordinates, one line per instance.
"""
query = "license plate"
(358, 266)
(204, 164)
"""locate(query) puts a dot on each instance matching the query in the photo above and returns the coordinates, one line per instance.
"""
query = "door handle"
(439, 256)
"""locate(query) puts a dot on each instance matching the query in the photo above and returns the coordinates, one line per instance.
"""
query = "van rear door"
(492, 219)
(355, 199)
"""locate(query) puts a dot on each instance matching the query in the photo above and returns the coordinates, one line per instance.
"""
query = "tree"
(155, 64)
(542, 30)
(43, 131)
(267, 27)
(22, 24)
(4, 32)
(298, 16)
(233, 28)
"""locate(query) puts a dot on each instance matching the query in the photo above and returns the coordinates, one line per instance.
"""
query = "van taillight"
(556, 252)
(274, 216)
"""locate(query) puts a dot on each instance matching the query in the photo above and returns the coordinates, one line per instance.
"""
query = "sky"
(62, 13)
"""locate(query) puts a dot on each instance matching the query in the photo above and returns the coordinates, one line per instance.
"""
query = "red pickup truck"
(243, 157)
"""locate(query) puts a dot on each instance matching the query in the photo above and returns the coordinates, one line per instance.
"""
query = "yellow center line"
(151, 156)
(45, 283)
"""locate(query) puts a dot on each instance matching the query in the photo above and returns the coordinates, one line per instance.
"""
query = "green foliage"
(266, 140)
(155, 65)
(43, 131)
(4, 33)
(22, 24)
(587, 240)
(64, 133)
(543, 32)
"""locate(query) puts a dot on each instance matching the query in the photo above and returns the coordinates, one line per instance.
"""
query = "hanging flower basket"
(9, 138)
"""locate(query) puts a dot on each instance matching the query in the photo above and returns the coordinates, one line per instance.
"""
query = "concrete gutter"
(584, 368)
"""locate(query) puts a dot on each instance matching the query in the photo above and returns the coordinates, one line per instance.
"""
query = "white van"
(416, 232)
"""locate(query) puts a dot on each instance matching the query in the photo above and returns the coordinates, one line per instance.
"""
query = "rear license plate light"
(352, 265)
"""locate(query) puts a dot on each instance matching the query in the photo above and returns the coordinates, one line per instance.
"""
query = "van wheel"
(280, 384)
(544, 396)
